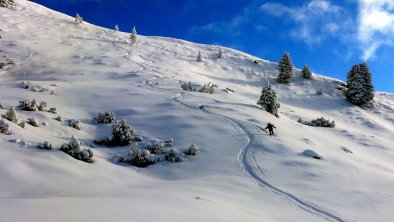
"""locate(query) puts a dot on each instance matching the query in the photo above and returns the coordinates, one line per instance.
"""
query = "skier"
(270, 127)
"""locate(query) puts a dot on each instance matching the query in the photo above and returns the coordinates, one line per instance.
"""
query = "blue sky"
(328, 35)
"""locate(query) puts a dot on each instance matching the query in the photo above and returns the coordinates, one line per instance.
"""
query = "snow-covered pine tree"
(74, 149)
(359, 85)
(306, 73)
(268, 101)
(78, 19)
(133, 36)
(285, 68)
(116, 28)
(220, 54)
(199, 57)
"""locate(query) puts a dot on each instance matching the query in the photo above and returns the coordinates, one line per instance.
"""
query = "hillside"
(240, 174)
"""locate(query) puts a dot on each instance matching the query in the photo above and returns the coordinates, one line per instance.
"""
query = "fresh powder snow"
(237, 171)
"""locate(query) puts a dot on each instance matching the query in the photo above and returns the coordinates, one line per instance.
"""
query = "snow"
(240, 173)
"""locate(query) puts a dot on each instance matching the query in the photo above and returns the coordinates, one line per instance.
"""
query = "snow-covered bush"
(268, 101)
(73, 148)
(319, 122)
(122, 133)
(228, 90)
(208, 88)
(22, 124)
(11, 115)
(28, 105)
(188, 86)
(359, 85)
(319, 92)
(220, 54)
(306, 73)
(5, 128)
(347, 150)
(25, 84)
(155, 147)
(312, 154)
(133, 36)
(78, 19)
(33, 121)
(140, 158)
(46, 145)
(76, 124)
(42, 107)
(285, 68)
(192, 150)
(116, 28)
(52, 110)
(199, 57)
(20, 142)
(59, 118)
(7, 3)
(6, 62)
(107, 117)
(174, 156)
(169, 142)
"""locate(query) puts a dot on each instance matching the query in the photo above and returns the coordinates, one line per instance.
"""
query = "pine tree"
(268, 101)
(78, 19)
(133, 36)
(220, 54)
(285, 68)
(116, 28)
(199, 57)
(306, 73)
(359, 85)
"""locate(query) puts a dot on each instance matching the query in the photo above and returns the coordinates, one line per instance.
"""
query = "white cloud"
(313, 21)
(376, 25)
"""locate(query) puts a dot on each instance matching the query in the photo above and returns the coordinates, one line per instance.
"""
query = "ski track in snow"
(250, 167)
(248, 162)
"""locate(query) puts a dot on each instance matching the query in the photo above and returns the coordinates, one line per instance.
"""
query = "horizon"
(329, 36)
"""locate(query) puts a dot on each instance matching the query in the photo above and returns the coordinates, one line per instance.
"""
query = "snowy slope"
(241, 174)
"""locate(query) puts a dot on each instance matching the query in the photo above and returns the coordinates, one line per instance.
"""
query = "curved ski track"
(251, 168)
(247, 160)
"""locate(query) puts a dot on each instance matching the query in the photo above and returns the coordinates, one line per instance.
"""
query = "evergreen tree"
(133, 36)
(78, 19)
(306, 73)
(359, 85)
(285, 68)
(117, 28)
(199, 57)
(268, 101)
(220, 54)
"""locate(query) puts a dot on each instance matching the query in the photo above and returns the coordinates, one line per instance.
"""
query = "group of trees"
(133, 35)
(359, 89)
(219, 55)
